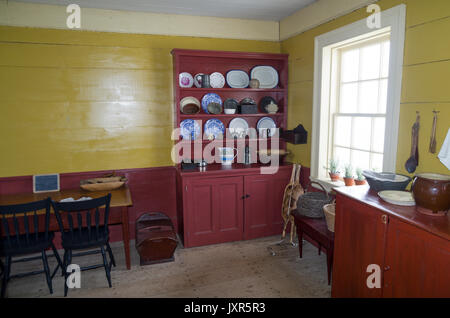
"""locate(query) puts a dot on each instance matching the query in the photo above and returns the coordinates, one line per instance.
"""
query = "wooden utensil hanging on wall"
(432, 147)
(413, 160)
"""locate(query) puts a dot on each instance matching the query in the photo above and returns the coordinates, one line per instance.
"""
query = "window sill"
(327, 184)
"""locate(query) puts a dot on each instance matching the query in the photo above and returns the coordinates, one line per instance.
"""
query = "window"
(358, 111)
(357, 86)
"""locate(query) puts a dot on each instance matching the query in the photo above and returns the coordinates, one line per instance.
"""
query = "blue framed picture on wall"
(46, 183)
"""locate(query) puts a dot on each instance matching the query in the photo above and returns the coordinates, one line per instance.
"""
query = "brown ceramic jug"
(431, 192)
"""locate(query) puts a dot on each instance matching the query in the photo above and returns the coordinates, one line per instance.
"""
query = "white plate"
(216, 80)
(266, 75)
(266, 123)
(185, 80)
(397, 197)
(237, 79)
(238, 127)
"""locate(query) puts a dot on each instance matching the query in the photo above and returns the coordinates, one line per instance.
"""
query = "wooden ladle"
(412, 161)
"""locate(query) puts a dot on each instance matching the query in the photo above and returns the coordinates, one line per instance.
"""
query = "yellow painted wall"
(75, 101)
(425, 85)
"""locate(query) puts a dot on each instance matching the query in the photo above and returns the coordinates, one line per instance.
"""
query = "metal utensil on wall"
(413, 160)
(432, 147)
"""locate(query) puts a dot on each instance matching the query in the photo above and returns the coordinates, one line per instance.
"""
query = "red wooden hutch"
(219, 204)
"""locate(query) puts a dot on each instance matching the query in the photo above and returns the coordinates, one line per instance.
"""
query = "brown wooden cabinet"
(224, 205)
(359, 239)
(417, 263)
(412, 250)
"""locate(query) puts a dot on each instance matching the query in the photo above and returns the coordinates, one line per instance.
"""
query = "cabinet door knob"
(387, 267)
(384, 218)
(247, 196)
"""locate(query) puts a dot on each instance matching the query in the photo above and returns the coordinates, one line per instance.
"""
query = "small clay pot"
(349, 181)
(360, 182)
(334, 176)
(254, 83)
(431, 192)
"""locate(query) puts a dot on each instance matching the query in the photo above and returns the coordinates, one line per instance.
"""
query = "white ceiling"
(271, 10)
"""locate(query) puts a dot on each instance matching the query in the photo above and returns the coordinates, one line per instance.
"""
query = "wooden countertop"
(219, 169)
(437, 225)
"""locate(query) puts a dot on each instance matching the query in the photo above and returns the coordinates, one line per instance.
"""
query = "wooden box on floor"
(156, 240)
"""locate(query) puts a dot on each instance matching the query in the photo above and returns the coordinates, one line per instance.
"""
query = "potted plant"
(348, 177)
(360, 179)
(333, 169)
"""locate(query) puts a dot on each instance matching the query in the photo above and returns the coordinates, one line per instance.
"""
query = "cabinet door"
(213, 211)
(264, 197)
(258, 206)
(417, 262)
(360, 235)
(228, 208)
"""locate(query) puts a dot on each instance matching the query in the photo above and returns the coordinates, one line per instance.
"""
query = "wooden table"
(120, 198)
(318, 231)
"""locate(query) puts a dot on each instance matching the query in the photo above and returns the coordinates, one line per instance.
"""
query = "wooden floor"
(239, 269)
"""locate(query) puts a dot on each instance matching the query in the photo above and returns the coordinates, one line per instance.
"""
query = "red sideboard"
(411, 249)
(224, 204)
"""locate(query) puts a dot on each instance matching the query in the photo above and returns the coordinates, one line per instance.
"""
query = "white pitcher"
(227, 155)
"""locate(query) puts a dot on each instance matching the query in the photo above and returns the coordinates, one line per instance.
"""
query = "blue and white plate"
(189, 129)
(214, 129)
(210, 98)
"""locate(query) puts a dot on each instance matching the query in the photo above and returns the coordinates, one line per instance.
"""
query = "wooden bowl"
(102, 186)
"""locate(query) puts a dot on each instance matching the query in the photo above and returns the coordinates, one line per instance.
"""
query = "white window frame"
(393, 20)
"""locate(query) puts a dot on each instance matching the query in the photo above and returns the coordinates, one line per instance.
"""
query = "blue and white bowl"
(189, 129)
(210, 98)
(214, 129)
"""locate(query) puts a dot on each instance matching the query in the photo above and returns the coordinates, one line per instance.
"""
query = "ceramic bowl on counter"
(431, 192)
(379, 181)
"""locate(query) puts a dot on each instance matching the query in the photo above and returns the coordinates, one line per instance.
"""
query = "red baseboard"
(152, 190)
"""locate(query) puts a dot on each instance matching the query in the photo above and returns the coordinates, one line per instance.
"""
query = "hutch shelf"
(227, 203)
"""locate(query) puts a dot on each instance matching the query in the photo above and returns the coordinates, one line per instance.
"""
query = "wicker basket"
(329, 210)
(311, 204)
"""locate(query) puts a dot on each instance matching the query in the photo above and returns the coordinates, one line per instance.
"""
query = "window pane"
(385, 49)
(360, 159)
(377, 162)
(349, 95)
(378, 134)
(368, 97)
(349, 65)
(382, 103)
(370, 62)
(342, 131)
(362, 131)
(341, 154)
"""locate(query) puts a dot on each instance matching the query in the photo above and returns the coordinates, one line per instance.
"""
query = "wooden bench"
(317, 230)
